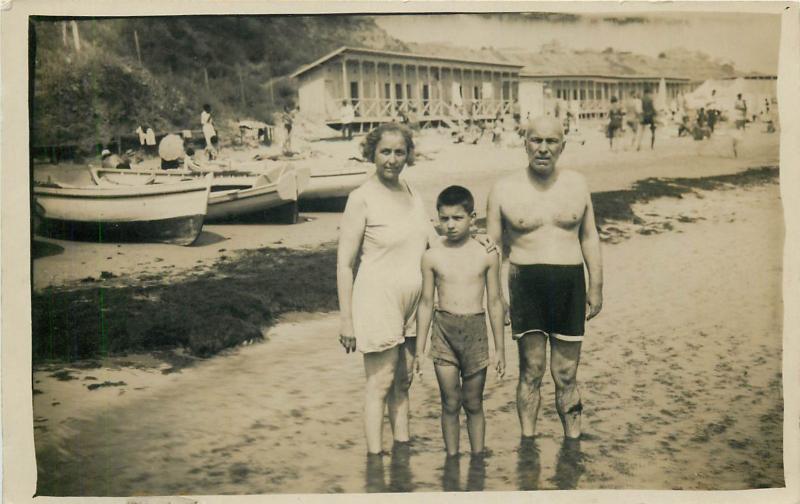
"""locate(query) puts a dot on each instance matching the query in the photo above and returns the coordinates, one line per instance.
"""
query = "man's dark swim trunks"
(549, 298)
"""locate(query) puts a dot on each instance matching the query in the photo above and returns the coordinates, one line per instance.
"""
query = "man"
(741, 111)
(647, 119)
(109, 160)
(347, 115)
(712, 112)
(544, 216)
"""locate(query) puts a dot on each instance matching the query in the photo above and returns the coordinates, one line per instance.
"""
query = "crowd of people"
(418, 293)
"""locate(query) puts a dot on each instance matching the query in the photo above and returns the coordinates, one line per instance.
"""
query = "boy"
(460, 271)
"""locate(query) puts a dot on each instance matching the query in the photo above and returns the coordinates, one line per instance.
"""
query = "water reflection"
(476, 477)
(528, 465)
(451, 476)
(400, 477)
(569, 466)
(375, 480)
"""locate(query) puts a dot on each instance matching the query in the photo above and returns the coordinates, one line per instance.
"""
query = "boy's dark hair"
(456, 195)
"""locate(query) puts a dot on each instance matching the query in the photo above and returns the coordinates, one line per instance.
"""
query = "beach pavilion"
(381, 85)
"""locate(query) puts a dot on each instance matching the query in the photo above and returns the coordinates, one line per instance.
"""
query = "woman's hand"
(346, 338)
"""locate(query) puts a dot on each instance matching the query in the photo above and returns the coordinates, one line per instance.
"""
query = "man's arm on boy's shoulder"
(497, 310)
(425, 307)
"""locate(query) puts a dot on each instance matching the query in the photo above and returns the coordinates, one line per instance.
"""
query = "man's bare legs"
(398, 394)
(564, 359)
(532, 353)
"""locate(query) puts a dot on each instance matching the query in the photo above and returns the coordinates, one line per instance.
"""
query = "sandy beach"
(680, 374)
(439, 164)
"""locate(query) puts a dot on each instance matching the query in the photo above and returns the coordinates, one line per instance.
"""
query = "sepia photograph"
(253, 237)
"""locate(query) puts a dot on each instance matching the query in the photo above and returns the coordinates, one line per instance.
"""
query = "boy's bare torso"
(460, 276)
(542, 225)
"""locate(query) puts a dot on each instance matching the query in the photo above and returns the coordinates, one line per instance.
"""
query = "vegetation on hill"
(92, 82)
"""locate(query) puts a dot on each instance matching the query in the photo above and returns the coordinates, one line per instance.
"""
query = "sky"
(750, 41)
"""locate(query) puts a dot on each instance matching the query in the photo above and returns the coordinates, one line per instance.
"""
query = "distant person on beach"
(209, 132)
(544, 216)
(140, 132)
(460, 272)
(647, 119)
(189, 162)
(109, 160)
(288, 123)
(711, 111)
(633, 112)
(741, 111)
(347, 115)
(615, 115)
(150, 140)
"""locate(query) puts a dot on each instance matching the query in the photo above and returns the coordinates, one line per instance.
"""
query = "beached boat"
(335, 183)
(233, 194)
(169, 213)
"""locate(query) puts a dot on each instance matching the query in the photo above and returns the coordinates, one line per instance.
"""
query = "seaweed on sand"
(205, 314)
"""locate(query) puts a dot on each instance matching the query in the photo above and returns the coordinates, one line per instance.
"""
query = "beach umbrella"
(171, 147)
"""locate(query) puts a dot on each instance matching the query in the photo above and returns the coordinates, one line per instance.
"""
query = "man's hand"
(416, 367)
(346, 338)
(500, 366)
(594, 303)
(486, 242)
(506, 312)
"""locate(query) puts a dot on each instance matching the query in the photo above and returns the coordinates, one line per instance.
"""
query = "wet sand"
(680, 380)
(439, 164)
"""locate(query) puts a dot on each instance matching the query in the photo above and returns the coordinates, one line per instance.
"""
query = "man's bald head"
(544, 142)
(545, 127)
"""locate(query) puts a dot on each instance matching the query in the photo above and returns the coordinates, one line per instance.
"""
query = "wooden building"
(594, 92)
(383, 84)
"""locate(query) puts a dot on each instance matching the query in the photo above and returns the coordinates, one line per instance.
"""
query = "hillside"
(90, 92)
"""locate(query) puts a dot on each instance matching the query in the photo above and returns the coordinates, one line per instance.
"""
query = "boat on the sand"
(168, 213)
(328, 184)
(233, 193)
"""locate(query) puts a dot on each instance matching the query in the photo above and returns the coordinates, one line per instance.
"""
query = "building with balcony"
(381, 85)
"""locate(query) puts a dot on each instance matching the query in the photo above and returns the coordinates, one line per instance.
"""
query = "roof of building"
(375, 52)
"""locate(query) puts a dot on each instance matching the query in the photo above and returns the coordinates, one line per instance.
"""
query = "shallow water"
(680, 380)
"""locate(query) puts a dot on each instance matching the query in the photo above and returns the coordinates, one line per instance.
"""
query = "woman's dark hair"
(375, 135)
(207, 107)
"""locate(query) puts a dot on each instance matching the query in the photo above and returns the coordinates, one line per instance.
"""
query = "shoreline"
(234, 299)
(685, 358)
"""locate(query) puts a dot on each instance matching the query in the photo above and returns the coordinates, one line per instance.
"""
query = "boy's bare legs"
(450, 389)
(532, 353)
(398, 393)
(564, 359)
(380, 370)
(472, 392)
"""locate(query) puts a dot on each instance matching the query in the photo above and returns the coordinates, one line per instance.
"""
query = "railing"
(383, 108)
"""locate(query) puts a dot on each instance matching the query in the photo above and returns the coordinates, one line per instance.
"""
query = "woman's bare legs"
(380, 370)
(398, 393)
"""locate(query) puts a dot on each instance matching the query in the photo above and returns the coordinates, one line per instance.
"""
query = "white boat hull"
(334, 184)
(230, 196)
(170, 213)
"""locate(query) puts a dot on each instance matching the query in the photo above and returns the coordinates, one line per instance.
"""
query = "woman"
(209, 132)
(384, 226)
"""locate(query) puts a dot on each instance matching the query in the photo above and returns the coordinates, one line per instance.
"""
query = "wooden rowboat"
(231, 195)
(335, 183)
(169, 213)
